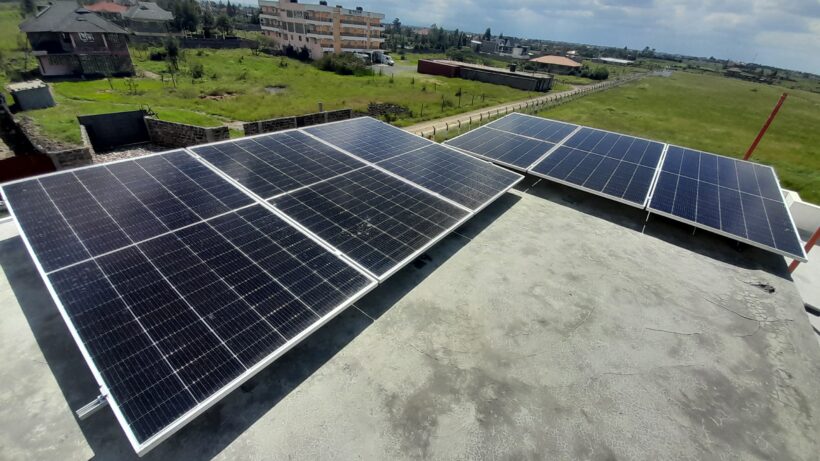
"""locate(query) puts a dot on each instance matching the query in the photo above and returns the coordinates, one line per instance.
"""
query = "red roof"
(556, 61)
(106, 7)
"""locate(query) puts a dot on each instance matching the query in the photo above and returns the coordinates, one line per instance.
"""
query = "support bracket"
(92, 407)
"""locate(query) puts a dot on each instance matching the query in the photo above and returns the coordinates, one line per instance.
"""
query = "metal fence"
(447, 130)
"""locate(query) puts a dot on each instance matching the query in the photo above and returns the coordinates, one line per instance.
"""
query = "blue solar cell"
(746, 178)
(757, 223)
(534, 127)
(652, 155)
(727, 173)
(174, 319)
(618, 166)
(639, 185)
(768, 184)
(690, 165)
(636, 150)
(686, 198)
(501, 147)
(708, 205)
(456, 176)
(600, 176)
(375, 219)
(552, 160)
(368, 138)
(582, 171)
(739, 198)
(49, 235)
(731, 213)
(708, 169)
(672, 162)
(276, 163)
(568, 164)
(782, 228)
(620, 179)
(620, 148)
(663, 198)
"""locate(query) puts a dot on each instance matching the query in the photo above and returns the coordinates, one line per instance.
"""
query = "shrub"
(197, 71)
(595, 73)
(343, 64)
(157, 55)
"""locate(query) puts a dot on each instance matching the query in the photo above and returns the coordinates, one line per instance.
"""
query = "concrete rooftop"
(549, 326)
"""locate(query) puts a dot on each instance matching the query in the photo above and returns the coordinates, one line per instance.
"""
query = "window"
(85, 36)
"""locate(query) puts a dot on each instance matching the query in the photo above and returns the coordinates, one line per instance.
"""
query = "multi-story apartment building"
(321, 28)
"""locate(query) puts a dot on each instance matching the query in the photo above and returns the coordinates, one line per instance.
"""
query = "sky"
(782, 33)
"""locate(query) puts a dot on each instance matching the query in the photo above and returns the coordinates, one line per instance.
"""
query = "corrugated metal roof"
(66, 16)
(556, 60)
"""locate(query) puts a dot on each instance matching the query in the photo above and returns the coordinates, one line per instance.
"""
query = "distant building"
(321, 28)
(556, 64)
(616, 61)
(140, 18)
(147, 18)
(70, 40)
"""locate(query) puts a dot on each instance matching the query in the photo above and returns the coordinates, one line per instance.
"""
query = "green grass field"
(714, 114)
(239, 86)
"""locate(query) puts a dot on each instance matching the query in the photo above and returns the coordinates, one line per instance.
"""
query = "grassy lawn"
(714, 114)
(243, 87)
(12, 58)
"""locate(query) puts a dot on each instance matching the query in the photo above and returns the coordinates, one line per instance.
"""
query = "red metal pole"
(809, 245)
(765, 126)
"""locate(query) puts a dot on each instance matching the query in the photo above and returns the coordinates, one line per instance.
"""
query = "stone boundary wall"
(298, 121)
(172, 134)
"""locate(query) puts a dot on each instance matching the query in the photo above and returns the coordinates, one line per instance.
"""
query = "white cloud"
(783, 33)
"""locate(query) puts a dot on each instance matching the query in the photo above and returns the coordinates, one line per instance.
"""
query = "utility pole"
(765, 126)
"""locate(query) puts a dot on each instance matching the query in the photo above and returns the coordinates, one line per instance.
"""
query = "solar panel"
(273, 164)
(732, 197)
(510, 150)
(368, 139)
(375, 219)
(616, 166)
(463, 179)
(534, 127)
(72, 216)
(173, 315)
(178, 286)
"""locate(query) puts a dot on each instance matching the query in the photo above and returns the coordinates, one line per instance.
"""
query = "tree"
(187, 15)
(223, 23)
(488, 34)
(27, 7)
(208, 23)
(172, 53)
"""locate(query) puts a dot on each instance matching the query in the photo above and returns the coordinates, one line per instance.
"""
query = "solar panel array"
(737, 198)
(516, 141)
(617, 166)
(182, 274)
(734, 198)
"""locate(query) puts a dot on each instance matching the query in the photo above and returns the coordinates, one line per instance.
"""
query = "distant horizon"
(752, 31)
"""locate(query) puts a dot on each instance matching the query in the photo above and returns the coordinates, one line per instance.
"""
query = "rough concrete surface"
(551, 326)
